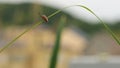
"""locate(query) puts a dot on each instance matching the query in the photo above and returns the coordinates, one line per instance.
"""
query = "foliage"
(57, 43)
(23, 14)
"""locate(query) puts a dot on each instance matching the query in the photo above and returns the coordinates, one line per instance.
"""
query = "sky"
(107, 10)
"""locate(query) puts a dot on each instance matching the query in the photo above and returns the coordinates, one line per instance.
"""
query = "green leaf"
(57, 43)
(53, 60)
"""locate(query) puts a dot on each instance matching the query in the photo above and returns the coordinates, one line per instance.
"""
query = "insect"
(45, 18)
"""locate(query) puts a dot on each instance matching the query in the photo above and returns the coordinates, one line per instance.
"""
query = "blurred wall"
(33, 50)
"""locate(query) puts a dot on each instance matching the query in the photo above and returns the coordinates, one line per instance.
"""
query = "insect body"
(45, 18)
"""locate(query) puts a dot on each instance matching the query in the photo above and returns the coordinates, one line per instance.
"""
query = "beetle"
(45, 18)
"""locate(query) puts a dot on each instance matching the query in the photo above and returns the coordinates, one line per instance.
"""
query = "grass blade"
(57, 43)
(105, 25)
(54, 56)
(53, 60)
(11, 42)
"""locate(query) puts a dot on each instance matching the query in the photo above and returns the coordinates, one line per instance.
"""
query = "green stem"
(53, 61)
(37, 24)
(56, 48)
(105, 25)
(11, 42)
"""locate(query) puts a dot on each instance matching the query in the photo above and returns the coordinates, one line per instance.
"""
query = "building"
(33, 50)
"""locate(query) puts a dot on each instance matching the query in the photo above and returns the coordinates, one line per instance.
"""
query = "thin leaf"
(37, 24)
(57, 43)
(53, 60)
(105, 25)
(11, 42)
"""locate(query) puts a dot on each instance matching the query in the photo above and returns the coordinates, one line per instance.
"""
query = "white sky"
(108, 10)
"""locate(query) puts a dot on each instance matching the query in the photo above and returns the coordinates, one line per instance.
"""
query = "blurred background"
(84, 40)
